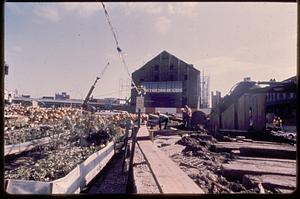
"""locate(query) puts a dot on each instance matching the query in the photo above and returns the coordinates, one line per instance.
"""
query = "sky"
(57, 47)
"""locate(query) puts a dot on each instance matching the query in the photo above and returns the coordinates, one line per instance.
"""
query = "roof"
(164, 52)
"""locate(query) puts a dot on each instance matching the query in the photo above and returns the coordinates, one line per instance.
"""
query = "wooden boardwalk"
(168, 176)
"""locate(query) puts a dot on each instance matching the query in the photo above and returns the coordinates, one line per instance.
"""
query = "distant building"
(243, 108)
(248, 106)
(215, 99)
(9, 95)
(170, 83)
(6, 67)
(48, 97)
(281, 100)
(108, 101)
(25, 96)
(62, 96)
(205, 91)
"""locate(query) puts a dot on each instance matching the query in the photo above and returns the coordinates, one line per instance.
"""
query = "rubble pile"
(74, 137)
(205, 166)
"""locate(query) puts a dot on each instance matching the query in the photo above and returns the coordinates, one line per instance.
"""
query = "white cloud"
(54, 12)
(147, 8)
(13, 7)
(17, 49)
(187, 9)
(47, 12)
(82, 9)
(183, 8)
(162, 24)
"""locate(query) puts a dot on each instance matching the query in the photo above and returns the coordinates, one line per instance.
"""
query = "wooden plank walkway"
(169, 177)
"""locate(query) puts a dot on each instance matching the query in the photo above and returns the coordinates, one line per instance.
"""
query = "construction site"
(170, 135)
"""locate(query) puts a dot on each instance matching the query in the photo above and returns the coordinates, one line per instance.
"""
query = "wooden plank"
(265, 149)
(25, 146)
(143, 133)
(237, 145)
(236, 169)
(269, 151)
(271, 181)
(267, 162)
(233, 131)
(170, 178)
(143, 179)
(267, 159)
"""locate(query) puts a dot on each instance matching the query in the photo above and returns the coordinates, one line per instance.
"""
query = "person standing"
(162, 119)
(184, 117)
(188, 111)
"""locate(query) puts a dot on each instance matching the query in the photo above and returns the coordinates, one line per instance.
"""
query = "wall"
(228, 118)
(167, 68)
(236, 116)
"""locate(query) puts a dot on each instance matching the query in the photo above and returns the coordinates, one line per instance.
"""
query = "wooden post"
(139, 118)
(130, 172)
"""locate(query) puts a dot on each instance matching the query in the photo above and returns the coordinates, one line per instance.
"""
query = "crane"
(87, 98)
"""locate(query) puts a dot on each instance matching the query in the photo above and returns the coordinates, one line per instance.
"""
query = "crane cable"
(118, 48)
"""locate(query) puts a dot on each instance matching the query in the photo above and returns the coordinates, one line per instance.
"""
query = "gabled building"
(169, 83)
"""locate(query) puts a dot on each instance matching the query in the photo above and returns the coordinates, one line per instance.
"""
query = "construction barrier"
(73, 182)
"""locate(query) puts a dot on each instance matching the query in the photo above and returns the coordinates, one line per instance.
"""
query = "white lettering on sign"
(163, 87)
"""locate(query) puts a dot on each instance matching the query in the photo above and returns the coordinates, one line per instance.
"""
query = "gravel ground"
(167, 144)
(144, 180)
(113, 182)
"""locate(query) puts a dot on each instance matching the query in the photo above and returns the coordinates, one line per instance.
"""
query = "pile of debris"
(238, 164)
(204, 166)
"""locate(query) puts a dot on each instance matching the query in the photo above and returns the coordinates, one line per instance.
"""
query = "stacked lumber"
(258, 149)
(277, 175)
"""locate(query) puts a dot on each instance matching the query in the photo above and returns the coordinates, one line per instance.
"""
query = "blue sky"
(55, 47)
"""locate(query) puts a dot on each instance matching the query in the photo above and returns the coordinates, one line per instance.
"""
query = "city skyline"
(63, 46)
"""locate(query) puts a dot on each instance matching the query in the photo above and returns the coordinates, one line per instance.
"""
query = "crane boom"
(84, 104)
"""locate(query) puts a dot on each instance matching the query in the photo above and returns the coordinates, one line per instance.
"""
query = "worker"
(184, 117)
(188, 111)
(162, 119)
(279, 123)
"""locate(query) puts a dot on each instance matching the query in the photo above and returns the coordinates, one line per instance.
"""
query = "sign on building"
(140, 103)
(163, 87)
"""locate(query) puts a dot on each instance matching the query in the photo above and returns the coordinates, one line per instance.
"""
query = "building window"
(291, 95)
(171, 78)
(284, 96)
(185, 77)
(141, 80)
(156, 78)
(172, 67)
(156, 67)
